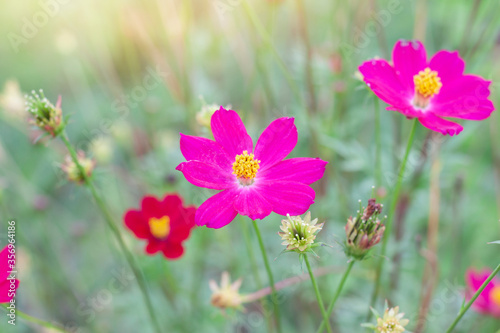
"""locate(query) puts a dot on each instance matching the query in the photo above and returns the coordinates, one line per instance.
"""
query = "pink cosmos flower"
(254, 182)
(428, 89)
(7, 287)
(488, 301)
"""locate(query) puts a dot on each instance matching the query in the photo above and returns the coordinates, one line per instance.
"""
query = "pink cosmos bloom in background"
(428, 89)
(254, 182)
(488, 301)
(7, 287)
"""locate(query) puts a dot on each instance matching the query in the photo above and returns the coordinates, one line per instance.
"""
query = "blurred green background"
(133, 74)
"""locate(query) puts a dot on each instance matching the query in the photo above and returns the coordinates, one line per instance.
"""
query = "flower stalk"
(390, 219)
(318, 295)
(116, 232)
(476, 295)
(336, 296)
(37, 321)
(274, 295)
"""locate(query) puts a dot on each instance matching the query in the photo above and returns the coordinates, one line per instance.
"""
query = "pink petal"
(5, 290)
(474, 281)
(205, 150)
(437, 124)
(409, 57)
(465, 98)
(383, 81)
(134, 220)
(4, 263)
(230, 132)
(448, 64)
(301, 169)
(251, 203)
(218, 210)
(288, 197)
(276, 142)
(206, 175)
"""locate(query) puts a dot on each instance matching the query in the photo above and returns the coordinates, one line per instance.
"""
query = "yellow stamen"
(495, 295)
(160, 228)
(427, 83)
(245, 166)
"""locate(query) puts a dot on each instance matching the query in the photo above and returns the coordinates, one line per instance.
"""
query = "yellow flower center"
(245, 166)
(427, 83)
(495, 295)
(160, 228)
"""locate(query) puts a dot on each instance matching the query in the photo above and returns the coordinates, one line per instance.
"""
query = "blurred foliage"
(130, 74)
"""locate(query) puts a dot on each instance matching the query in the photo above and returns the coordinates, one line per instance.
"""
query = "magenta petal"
(465, 98)
(448, 64)
(437, 124)
(206, 175)
(4, 263)
(250, 203)
(205, 150)
(276, 142)
(230, 132)
(301, 169)
(5, 290)
(218, 210)
(383, 81)
(288, 197)
(409, 57)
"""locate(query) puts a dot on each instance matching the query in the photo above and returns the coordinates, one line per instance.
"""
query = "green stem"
(37, 321)
(116, 232)
(318, 295)
(274, 295)
(378, 165)
(476, 295)
(390, 218)
(255, 270)
(337, 294)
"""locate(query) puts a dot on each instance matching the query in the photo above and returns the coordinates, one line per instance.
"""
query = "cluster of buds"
(44, 114)
(391, 322)
(73, 172)
(364, 231)
(227, 295)
(299, 234)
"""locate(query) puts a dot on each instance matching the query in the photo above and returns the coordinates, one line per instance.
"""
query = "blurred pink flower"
(255, 182)
(488, 301)
(7, 286)
(428, 90)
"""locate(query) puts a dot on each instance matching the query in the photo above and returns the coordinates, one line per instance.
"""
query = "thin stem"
(116, 232)
(255, 270)
(390, 218)
(37, 321)
(318, 295)
(378, 164)
(274, 295)
(476, 295)
(336, 296)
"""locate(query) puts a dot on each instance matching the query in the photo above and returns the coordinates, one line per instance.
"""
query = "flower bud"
(204, 116)
(298, 235)
(44, 114)
(364, 231)
(227, 295)
(73, 172)
(391, 322)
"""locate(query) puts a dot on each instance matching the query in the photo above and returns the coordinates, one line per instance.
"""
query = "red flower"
(165, 224)
(7, 286)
